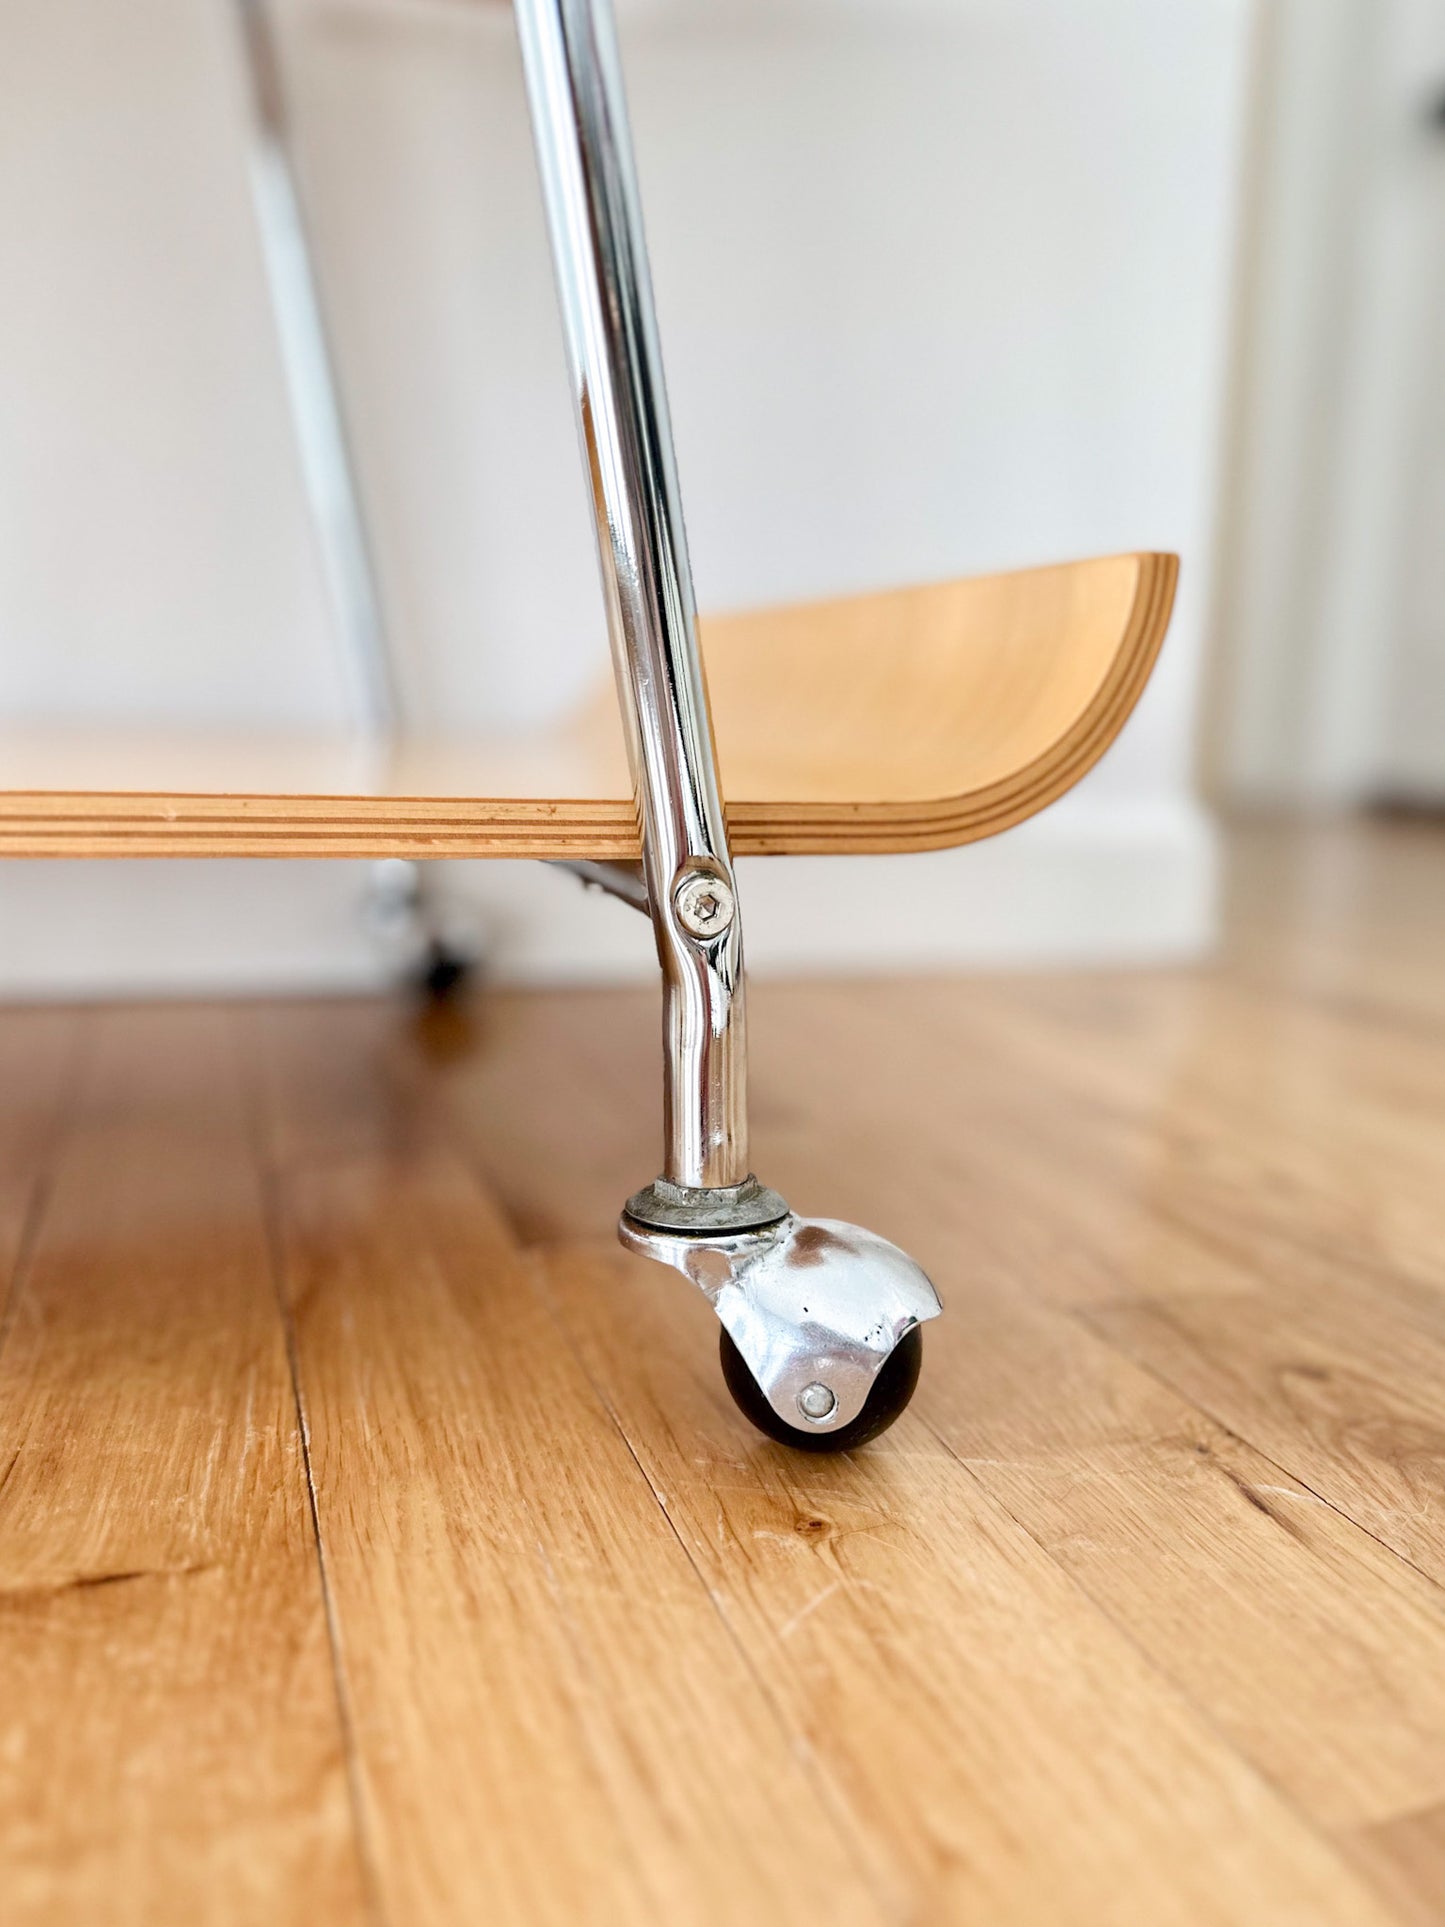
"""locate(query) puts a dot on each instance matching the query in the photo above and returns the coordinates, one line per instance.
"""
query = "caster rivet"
(704, 904)
(816, 1402)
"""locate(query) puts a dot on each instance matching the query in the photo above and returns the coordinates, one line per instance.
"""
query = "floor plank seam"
(1081, 1315)
(42, 1186)
(269, 1184)
(355, 1793)
(35, 1209)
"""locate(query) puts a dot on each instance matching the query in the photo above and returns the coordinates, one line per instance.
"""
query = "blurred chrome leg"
(326, 466)
(402, 904)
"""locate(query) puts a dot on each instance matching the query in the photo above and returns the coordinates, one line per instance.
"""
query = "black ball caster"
(443, 972)
(892, 1389)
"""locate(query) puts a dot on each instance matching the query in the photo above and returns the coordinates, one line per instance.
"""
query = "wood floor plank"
(1178, 1185)
(551, 1719)
(170, 1742)
(335, 1078)
(38, 1063)
(1319, 1653)
(1282, 1127)
(1344, 1387)
(1135, 1617)
(997, 1738)
(1347, 911)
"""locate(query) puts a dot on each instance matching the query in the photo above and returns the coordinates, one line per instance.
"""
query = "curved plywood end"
(930, 717)
(912, 720)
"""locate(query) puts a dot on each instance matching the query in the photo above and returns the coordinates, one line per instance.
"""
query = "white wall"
(1411, 264)
(1332, 614)
(943, 286)
(155, 559)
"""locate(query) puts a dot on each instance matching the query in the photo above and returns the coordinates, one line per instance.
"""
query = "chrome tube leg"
(820, 1319)
(584, 152)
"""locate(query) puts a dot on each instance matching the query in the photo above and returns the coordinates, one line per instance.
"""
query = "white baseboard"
(1086, 884)
(141, 927)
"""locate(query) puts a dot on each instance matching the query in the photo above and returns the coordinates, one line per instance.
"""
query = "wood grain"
(914, 720)
(170, 1747)
(1139, 1614)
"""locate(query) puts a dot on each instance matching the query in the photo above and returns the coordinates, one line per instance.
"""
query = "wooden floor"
(377, 1543)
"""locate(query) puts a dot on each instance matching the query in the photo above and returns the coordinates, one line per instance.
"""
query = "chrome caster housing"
(821, 1340)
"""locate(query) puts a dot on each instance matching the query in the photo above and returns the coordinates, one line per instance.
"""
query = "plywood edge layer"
(40, 823)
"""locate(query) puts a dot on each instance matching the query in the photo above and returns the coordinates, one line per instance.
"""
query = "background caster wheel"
(891, 1392)
(443, 972)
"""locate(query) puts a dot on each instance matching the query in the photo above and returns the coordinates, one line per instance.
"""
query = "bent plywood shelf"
(914, 720)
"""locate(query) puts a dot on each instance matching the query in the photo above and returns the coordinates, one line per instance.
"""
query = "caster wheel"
(891, 1392)
(443, 973)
